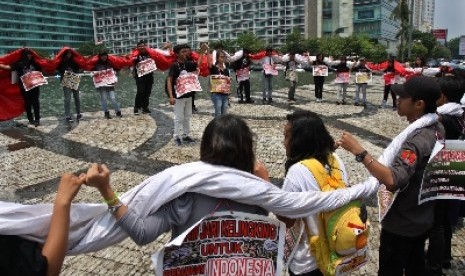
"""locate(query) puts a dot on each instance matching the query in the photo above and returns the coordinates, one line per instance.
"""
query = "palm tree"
(401, 12)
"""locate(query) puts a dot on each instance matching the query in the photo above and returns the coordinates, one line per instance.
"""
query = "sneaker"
(383, 104)
(194, 109)
(394, 108)
(270, 100)
(318, 100)
(291, 101)
(146, 111)
(249, 101)
(356, 104)
(136, 111)
(36, 123)
(31, 123)
(78, 117)
(343, 102)
(69, 119)
(241, 101)
(188, 139)
(107, 115)
(118, 114)
(338, 102)
(177, 141)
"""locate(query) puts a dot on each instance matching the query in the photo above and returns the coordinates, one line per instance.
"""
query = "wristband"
(113, 200)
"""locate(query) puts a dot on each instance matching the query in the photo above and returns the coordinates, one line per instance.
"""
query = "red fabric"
(258, 55)
(204, 71)
(11, 100)
(163, 62)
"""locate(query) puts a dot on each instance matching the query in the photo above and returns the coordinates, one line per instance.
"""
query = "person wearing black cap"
(406, 224)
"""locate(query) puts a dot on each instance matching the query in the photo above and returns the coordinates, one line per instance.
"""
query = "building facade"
(373, 17)
(330, 17)
(423, 15)
(47, 25)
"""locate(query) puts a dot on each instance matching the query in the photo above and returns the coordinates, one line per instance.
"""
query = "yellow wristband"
(113, 200)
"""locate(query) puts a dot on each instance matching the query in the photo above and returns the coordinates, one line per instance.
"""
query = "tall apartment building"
(330, 17)
(120, 27)
(47, 24)
(373, 17)
(423, 15)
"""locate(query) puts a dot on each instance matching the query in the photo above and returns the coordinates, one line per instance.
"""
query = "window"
(366, 14)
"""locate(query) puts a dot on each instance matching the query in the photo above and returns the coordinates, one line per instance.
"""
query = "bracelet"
(113, 200)
(369, 162)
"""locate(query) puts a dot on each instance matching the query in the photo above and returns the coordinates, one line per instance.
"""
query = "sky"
(450, 14)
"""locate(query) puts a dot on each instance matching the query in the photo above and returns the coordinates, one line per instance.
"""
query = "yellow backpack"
(342, 243)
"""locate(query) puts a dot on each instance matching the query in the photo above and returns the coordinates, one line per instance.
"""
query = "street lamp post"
(410, 30)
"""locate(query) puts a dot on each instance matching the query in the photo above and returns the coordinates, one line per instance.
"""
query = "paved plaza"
(135, 147)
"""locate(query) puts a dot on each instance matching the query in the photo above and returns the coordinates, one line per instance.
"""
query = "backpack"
(342, 243)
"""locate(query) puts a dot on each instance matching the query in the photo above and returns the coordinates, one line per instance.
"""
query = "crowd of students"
(431, 106)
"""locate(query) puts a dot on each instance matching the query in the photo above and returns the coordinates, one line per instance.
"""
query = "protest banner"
(292, 239)
(71, 80)
(243, 74)
(225, 243)
(270, 69)
(104, 78)
(33, 79)
(186, 83)
(145, 67)
(444, 176)
(363, 77)
(320, 70)
(342, 77)
(220, 84)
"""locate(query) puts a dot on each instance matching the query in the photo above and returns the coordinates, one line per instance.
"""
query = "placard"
(145, 67)
(104, 78)
(71, 80)
(444, 176)
(270, 69)
(243, 74)
(342, 77)
(320, 70)
(33, 79)
(363, 77)
(220, 84)
(225, 243)
(186, 83)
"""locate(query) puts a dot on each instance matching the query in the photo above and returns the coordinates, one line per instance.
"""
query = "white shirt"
(300, 179)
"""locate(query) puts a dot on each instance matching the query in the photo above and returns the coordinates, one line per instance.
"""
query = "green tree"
(250, 41)
(228, 44)
(351, 45)
(312, 45)
(332, 45)
(426, 39)
(401, 13)
(418, 50)
(89, 48)
(294, 42)
(441, 52)
(453, 46)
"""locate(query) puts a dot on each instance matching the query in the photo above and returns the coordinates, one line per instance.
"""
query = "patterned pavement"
(135, 147)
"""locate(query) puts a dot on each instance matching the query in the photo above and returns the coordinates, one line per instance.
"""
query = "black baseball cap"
(418, 88)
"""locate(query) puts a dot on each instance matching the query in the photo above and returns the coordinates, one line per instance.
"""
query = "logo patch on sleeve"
(408, 157)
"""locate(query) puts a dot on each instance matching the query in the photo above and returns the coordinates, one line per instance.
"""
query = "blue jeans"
(105, 93)
(220, 102)
(67, 92)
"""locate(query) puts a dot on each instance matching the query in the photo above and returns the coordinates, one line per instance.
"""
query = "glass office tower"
(47, 25)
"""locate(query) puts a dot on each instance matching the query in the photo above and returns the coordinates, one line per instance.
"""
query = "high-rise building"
(423, 15)
(47, 25)
(373, 17)
(330, 17)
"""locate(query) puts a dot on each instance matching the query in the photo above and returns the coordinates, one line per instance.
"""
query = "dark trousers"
(31, 100)
(291, 91)
(244, 88)
(144, 89)
(319, 86)
(387, 89)
(439, 248)
(399, 254)
(315, 272)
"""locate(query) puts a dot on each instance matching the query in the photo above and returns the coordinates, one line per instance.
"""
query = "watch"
(113, 209)
(359, 157)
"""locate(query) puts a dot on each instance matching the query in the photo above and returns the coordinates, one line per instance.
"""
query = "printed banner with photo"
(242, 74)
(444, 176)
(186, 83)
(104, 78)
(225, 243)
(145, 67)
(270, 69)
(292, 239)
(363, 77)
(320, 70)
(342, 77)
(33, 79)
(71, 80)
(220, 84)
